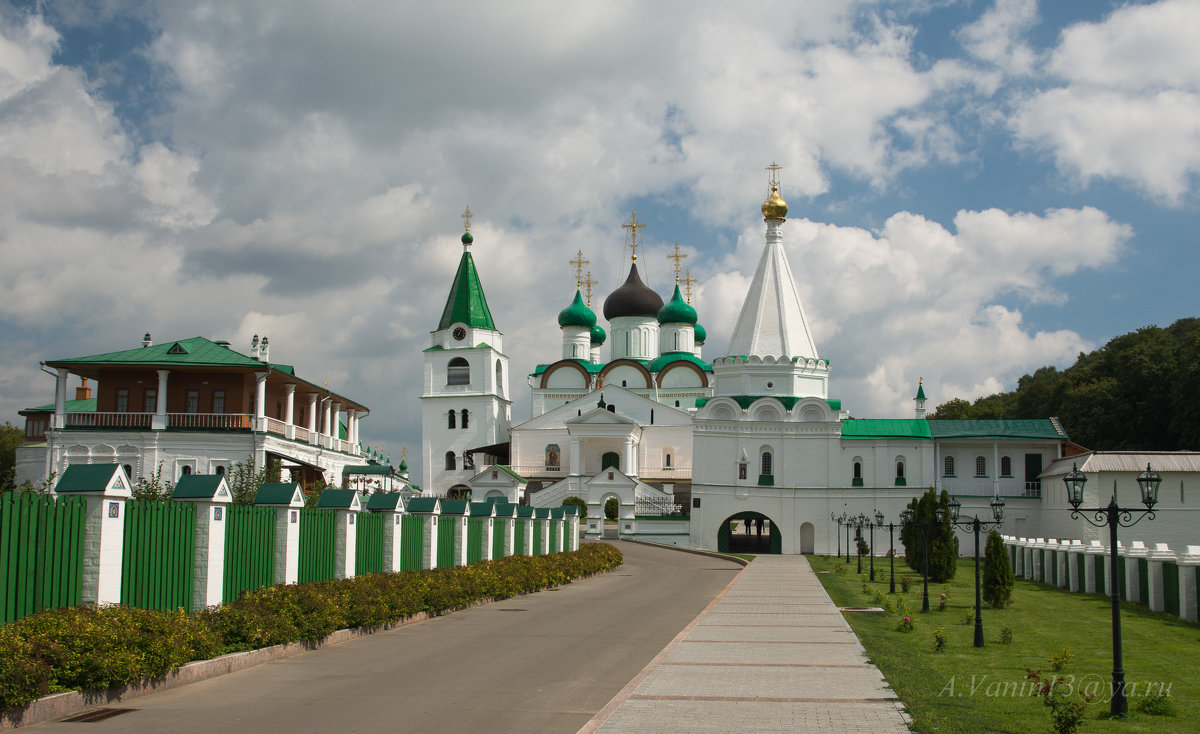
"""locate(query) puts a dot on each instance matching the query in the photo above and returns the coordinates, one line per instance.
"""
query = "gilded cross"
(466, 217)
(677, 255)
(588, 282)
(774, 168)
(578, 262)
(633, 225)
(403, 453)
(688, 282)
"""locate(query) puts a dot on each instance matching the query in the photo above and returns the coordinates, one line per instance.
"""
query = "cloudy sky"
(977, 188)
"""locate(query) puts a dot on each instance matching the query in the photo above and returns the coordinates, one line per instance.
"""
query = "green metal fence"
(368, 543)
(519, 538)
(539, 537)
(1101, 577)
(1170, 573)
(1121, 578)
(445, 541)
(498, 529)
(249, 549)
(318, 533)
(1081, 570)
(1143, 581)
(554, 536)
(475, 540)
(160, 545)
(412, 536)
(41, 553)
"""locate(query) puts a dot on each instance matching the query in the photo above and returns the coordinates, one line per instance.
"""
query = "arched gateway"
(749, 532)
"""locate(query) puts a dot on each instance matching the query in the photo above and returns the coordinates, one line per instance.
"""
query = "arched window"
(612, 408)
(220, 471)
(899, 469)
(464, 418)
(450, 420)
(458, 372)
(499, 379)
(767, 467)
(1006, 466)
(129, 471)
(186, 470)
(450, 463)
(610, 460)
(948, 466)
(858, 470)
(666, 460)
(980, 466)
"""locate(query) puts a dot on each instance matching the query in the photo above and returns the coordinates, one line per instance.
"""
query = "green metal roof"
(275, 494)
(920, 390)
(86, 478)
(788, 401)
(589, 366)
(511, 473)
(454, 507)
(505, 509)
(577, 314)
(87, 405)
(701, 333)
(571, 509)
(556, 513)
(671, 357)
(482, 509)
(864, 428)
(385, 501)
(197, 487)
(371, 468)
(524, 511)
(196, 351)
(677, 310)
(466, 303)
(1031, 428)
(423, 504)
(541, 512)
(337, 498)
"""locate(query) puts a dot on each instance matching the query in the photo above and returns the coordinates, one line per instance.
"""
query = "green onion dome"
(577, 314)
(700, 334)
(467, 238)
(598, 335)
(677, 310)
(403, 465)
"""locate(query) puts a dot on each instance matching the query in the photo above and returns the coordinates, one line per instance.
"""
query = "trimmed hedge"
(89, 647)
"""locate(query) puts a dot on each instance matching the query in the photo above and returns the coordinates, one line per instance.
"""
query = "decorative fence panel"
(519, 537)
(1143, 581)
(498, 546)
(412, 533)
(553, 536)
(1081, 570)
(1101, 577)
(539, 537)
(445, 542)
(160, 545)
(41, 553)
(249, 549)
(1170, 576)
(368, 543)
(474, 540)
(318, 534)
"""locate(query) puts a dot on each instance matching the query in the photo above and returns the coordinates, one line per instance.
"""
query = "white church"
(695, 452)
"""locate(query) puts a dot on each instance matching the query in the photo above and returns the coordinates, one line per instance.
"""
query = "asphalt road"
(546, 662)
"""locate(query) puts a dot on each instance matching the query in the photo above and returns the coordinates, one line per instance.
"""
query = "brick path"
(771, 653)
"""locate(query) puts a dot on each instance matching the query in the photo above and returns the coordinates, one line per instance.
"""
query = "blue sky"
(977, 189)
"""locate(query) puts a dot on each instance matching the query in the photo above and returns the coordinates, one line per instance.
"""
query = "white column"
(1133, 575)
(289, 411)
(488, 529)
(345, 544)
(392, 538)
(1094, 551)
(60, 398)
(576, 456)
(1187, 582)
(159, 421)
(1154, 566)
(287, 544)
(260, 401)
(352, 427)
(209, 566)
(429, 542)
(628, 462)
(333, 426)
(103, 546)
(312, 414)
(328, 403)
(1074, 552)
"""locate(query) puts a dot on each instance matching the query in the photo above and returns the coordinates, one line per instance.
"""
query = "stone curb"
(59, 705)
(694, 551)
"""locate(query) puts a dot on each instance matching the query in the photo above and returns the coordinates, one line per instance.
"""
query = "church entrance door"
(610, 460)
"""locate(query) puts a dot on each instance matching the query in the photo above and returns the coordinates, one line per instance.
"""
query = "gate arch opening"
(749, 532)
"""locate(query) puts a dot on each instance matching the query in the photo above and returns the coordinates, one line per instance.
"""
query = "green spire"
(466, 303)
(920, 389)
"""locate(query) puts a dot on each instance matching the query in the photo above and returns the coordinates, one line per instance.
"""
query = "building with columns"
(193, 406)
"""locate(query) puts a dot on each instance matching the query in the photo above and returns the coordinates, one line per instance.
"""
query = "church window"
(499, 379)
(899, 469)
(612, 408)
(948, 466)
(624, 384)
(1006, 466)
(610, 459)
(187, 470)
(676, 403)
(767, 468)
(122, 400)
(666, 460)
(980, 466)
(450, 463)
(652, 416)
(129, 470)
(464, 419)
(220, 471)
(458, 372)
(858, 470)
(450, 420)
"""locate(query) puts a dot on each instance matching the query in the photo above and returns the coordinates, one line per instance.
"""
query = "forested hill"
(1139, 391)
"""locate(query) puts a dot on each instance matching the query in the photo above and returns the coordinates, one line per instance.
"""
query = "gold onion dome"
(774, 207)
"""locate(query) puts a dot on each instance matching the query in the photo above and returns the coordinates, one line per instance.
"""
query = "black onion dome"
(633, 298)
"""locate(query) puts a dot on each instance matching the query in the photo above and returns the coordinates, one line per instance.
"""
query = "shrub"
(580, 503)
(1060, 660)
(939, 639)
(1005, 635)
(943, 546)
(1155, 700)
(968, 617)
(906, 625)
(998, 577)
(611, 508)
(1066, 710)
(905, 583)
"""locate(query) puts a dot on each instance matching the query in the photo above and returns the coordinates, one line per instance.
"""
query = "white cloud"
(997, 37)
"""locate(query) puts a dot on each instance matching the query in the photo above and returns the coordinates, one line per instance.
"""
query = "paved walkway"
(771, 653)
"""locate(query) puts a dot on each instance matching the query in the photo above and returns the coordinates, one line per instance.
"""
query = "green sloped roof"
(1032, 428)
(524, 511)
(337, 498)
(454, 507)
(196, 351)
(275, 494)
(920, 390)
(466, 303)
(541, 512)
(371, 468)
(571, 509)
(855, 428)
(589, 366)
(87, 405)
(423, 504)
(556, 513)
(385, 501)
(505, 509)
(197, 487)
(746, 401)
(482, 509)
(670, 357)
(86, 478)
(511, 473)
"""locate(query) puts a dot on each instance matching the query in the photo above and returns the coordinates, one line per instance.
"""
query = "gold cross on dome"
(578, 262)
(588, 282)
(677, 255)
(774, 168)
(466, 217)
(688, 282)
(633, 225)
(403, 453)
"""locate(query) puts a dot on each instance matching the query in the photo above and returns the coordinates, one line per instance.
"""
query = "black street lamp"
(907, 516)
(976, 525)
(1114, 516)
(878, 523)
(891, 556)
(848, 520)
(838, 544)
(858, 526)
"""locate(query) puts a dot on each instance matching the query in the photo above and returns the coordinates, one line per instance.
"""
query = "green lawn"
(965, 689)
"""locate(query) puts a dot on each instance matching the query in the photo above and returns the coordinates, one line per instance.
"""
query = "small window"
(187, 470)
(450, 462)
(220, 471)
(218, 401)
(150, 400)
(623, 384)
(899, 469)
(451, 417)
(1006, 466)
(980, 466)
(465, 422)
(499, 379)
(458, 372)
(122, 400)
(948, 466)
(858, 470)
(676, 403)
(129, 471)
(666, 461)
(767, 468)
(192, 402)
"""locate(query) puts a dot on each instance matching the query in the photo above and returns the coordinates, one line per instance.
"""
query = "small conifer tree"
(997, 573)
